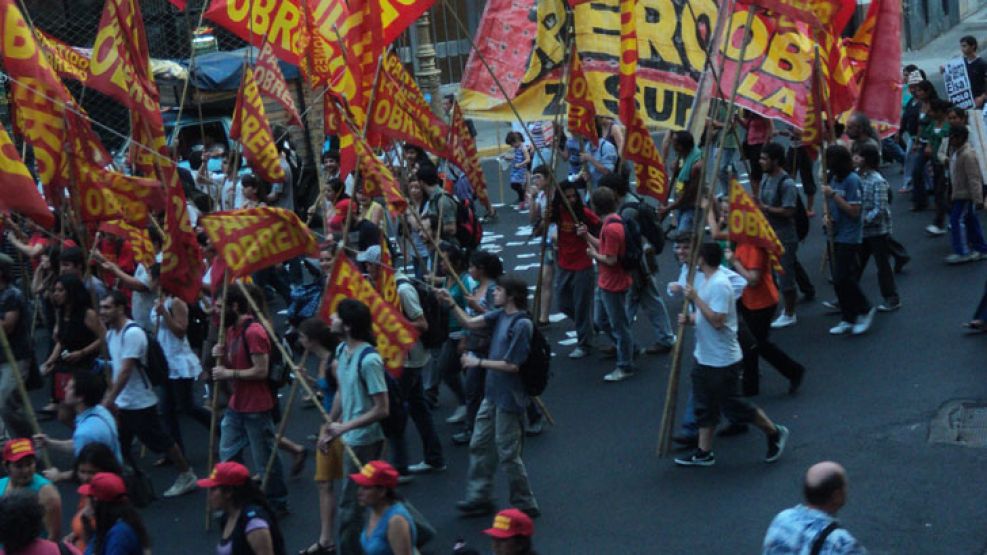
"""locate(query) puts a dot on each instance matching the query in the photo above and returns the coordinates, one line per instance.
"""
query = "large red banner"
(828, 15)
(627, 85)
(395, 335)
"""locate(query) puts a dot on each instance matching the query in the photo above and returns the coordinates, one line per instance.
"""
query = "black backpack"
(536, 368)
(436, 315)
(647, 222)
(198, 326)
(630, 258)
(155, 370)
(278, 370)
(394, 423)
(801, 218)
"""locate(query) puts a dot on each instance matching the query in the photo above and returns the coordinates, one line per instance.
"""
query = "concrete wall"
(925, 20)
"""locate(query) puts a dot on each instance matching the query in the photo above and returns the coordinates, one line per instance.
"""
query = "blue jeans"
(965, 230)
(891, 146)
(685, 220)
(644, 292)
(617, 325)
(255, 430)
(727, 160)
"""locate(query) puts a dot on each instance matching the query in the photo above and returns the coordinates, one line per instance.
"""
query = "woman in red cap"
(249, 526)
(119, 529)
(20, 462)
(390, 530)
(511, 533)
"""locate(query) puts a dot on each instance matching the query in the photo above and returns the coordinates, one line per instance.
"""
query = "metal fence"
(170, 32)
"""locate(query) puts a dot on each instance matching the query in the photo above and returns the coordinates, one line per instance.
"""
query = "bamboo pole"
(294, 367)
(283, 425)
(15, 369)
(828, 136)
(671, 393)
(214, 402)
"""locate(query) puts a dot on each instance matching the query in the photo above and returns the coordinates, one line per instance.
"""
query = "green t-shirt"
(357, 384)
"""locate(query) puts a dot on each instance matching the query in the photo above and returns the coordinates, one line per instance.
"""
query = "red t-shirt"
(248, 395)
(612, 278)
(764, 294)
(572, 248)
(339, 218)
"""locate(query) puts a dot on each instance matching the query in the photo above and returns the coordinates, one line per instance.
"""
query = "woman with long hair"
(21, 518)
(418, 201)
(390, 529)
(93, 459)
(315, 337)
(79, 333)
(119, 529)
(249, 526)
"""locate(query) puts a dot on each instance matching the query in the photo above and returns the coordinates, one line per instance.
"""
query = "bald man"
(812, 528)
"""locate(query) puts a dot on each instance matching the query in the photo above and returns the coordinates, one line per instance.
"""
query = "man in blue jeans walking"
(967, 192)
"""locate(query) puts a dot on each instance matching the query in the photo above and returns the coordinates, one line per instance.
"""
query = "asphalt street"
(866, 402)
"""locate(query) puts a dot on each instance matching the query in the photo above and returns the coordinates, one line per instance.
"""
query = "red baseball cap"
(16, 449)
(376, 473)
(226, 474)
(104, 486)
(510, 523)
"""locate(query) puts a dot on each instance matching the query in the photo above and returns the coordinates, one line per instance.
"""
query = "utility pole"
(428, 74)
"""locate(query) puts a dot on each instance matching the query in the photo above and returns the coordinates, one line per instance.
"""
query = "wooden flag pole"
(671, 393)
(283, 425)
(214, 401)
(15, 369)
(828, 136)
(295, 370)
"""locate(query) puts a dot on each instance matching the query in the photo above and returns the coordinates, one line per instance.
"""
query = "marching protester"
(91, 460)
(390, 529)
(249, 525)
(876, 215)
(243, 360)
(17, 328)
(119, 529)
(967, 192)
(447, 369)
(687, 186)
(498, 433)
(613, 281)
(518, 159)
(845, 225)
(131, 395)
(576, 276)
(540, 216)
(20, 462)
(360, 404)
(716, 375)
(812, 527)
(601, 159)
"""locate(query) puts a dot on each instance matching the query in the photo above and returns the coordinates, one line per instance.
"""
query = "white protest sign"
(958, 83)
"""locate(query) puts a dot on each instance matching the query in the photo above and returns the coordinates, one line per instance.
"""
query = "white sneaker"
(459, 415)
(864, 322)
(185, 483)
(578, 352)
(784, 321)
(841, 328)
(617, 375)
(959, 258)
(424, 468)
(933, 229)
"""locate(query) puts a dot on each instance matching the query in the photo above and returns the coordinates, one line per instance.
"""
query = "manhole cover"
(960, 423)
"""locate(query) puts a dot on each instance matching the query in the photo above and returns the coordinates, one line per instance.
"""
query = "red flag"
(18, 192)
(394, 334)
(464, 155)
(377, 178)
(256, 238)
(579, 97)
(829, 15)
(181, 264)
(628, 61)
(336, 125)
(278, 23)
(271, 82)
(251, 128)
(649, 168)
(106, 195)
(747, 224)
(140, 240)
(387, 283)
(880, 87)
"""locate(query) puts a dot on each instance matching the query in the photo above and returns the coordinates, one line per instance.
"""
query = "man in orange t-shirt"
(758, 304)
(613, 280)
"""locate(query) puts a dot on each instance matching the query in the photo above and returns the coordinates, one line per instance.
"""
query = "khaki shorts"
(329, 466)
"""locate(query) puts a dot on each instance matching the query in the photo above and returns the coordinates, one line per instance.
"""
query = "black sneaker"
(776, 444)
(475, 508)
(795, 383)
(697, 458)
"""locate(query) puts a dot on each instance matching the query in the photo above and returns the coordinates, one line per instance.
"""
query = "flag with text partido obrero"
(256, 238)
(747, 224)
(251, 128)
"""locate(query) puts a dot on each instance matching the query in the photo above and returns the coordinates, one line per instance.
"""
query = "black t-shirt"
(12, 300)
(976, 70)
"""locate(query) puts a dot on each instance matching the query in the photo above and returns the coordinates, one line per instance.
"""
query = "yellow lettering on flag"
(747, 224)
(256, 238)
(251, 128)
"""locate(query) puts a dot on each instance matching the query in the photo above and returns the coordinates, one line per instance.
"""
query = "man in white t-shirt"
(131, 395)
(716, 376)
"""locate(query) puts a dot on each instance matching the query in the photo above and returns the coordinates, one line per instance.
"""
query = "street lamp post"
(428, 73)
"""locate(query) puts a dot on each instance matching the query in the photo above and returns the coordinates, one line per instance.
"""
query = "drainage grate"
(960, 423)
